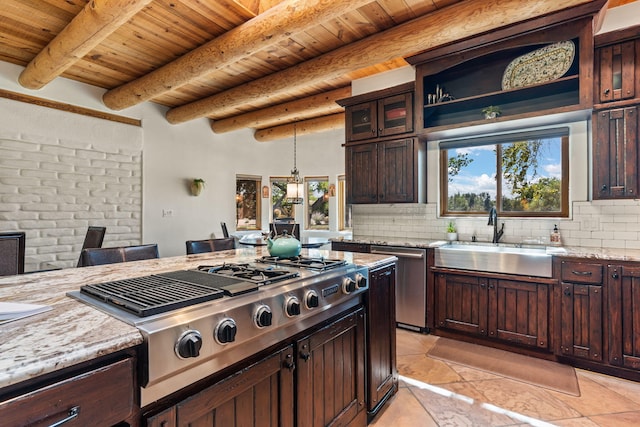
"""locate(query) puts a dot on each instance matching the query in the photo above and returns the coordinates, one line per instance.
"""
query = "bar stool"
(101, 256)
(210, 245)
(12, 253)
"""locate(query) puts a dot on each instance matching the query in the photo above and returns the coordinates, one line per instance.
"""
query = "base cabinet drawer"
(101, 397)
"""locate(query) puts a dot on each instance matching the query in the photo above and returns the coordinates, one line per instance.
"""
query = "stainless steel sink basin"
(495, 259)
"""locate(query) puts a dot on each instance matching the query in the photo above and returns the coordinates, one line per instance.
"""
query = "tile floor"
(435, 393)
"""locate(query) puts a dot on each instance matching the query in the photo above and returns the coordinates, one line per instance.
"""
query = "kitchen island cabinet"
(90, 351)
(382, 371)
(325, 368)
(261, 394)
(101, 394)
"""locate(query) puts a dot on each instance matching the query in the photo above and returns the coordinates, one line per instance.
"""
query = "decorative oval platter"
(542, 65)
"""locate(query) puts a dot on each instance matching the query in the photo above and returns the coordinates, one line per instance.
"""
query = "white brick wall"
(595, 224)
(53, 189)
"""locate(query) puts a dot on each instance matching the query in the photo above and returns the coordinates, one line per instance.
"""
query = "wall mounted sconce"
(332, 190)
(265, 191)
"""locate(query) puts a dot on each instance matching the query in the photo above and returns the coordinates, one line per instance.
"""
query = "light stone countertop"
(73, 332)
(606, 254)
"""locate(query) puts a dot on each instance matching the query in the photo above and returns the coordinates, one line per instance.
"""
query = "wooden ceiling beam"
(95, 22)
(269, 28)
(304, 127)
(300, 109)
(406, 39)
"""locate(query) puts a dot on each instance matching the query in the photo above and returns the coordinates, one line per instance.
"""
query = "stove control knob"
(292, 306)
(263, 317)
(348, 285)
(189, 344)
(225, 331)
(311, 299)
(361, 281)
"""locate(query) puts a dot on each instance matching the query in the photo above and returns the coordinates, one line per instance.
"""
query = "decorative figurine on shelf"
(491, 112)
(438, 96)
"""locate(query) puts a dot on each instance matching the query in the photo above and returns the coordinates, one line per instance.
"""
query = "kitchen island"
(73, 334)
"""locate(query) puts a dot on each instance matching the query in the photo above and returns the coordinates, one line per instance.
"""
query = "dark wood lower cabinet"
(260, 395)
(461, 303)
(330, 375)
(624, 316)
(382, 372)
(519, 312)
(581, 319)
(502, 308)
(317, 381)
(98, 395)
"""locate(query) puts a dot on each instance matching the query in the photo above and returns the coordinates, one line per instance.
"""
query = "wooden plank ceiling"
(242, 63)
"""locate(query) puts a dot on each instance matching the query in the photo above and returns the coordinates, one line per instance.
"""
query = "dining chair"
(225, 232)
(210, 245)
(93, 239)
(12, 253)
(292, 229)
(101, 256)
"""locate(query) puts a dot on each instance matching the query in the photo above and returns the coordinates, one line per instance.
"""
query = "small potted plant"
(491, 112)
(452, 233)
(196, 186)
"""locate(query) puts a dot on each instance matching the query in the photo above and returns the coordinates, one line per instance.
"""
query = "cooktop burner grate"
(149, 295)
(253, 273)
(311, 263)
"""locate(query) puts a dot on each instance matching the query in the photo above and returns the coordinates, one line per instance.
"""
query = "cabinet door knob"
(606, 91)
(604, 187)
(615, 275)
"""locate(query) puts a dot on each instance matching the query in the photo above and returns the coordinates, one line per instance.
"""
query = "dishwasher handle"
(400, 253)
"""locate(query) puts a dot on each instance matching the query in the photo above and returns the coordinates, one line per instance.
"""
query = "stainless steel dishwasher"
(411, 285)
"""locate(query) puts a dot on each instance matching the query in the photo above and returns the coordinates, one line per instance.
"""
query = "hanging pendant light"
(295, 187)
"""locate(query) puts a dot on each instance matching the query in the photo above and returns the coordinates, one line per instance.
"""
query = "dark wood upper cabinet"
(379, 114)
(615, 153)
(384, 172)
(615, 65)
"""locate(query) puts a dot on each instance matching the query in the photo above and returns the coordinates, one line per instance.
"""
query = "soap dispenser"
(554, 239)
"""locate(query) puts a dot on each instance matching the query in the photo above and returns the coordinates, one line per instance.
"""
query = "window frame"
(501, 139)
(258, 201)
(344, 208)
(307, 205)
(284, 179)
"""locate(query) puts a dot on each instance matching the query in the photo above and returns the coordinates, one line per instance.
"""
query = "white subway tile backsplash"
(597, 224)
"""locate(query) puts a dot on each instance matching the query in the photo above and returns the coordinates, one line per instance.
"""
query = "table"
(306, 242)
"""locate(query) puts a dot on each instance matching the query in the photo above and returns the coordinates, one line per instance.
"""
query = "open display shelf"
(463, 91)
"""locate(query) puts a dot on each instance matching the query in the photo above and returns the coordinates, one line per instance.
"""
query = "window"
(344, 209)
(280, 207)
(248, 202)
(317, 190)
(526, 172)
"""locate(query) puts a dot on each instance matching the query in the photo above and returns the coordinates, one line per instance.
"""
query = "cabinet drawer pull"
(581, 273)
(73, 413)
